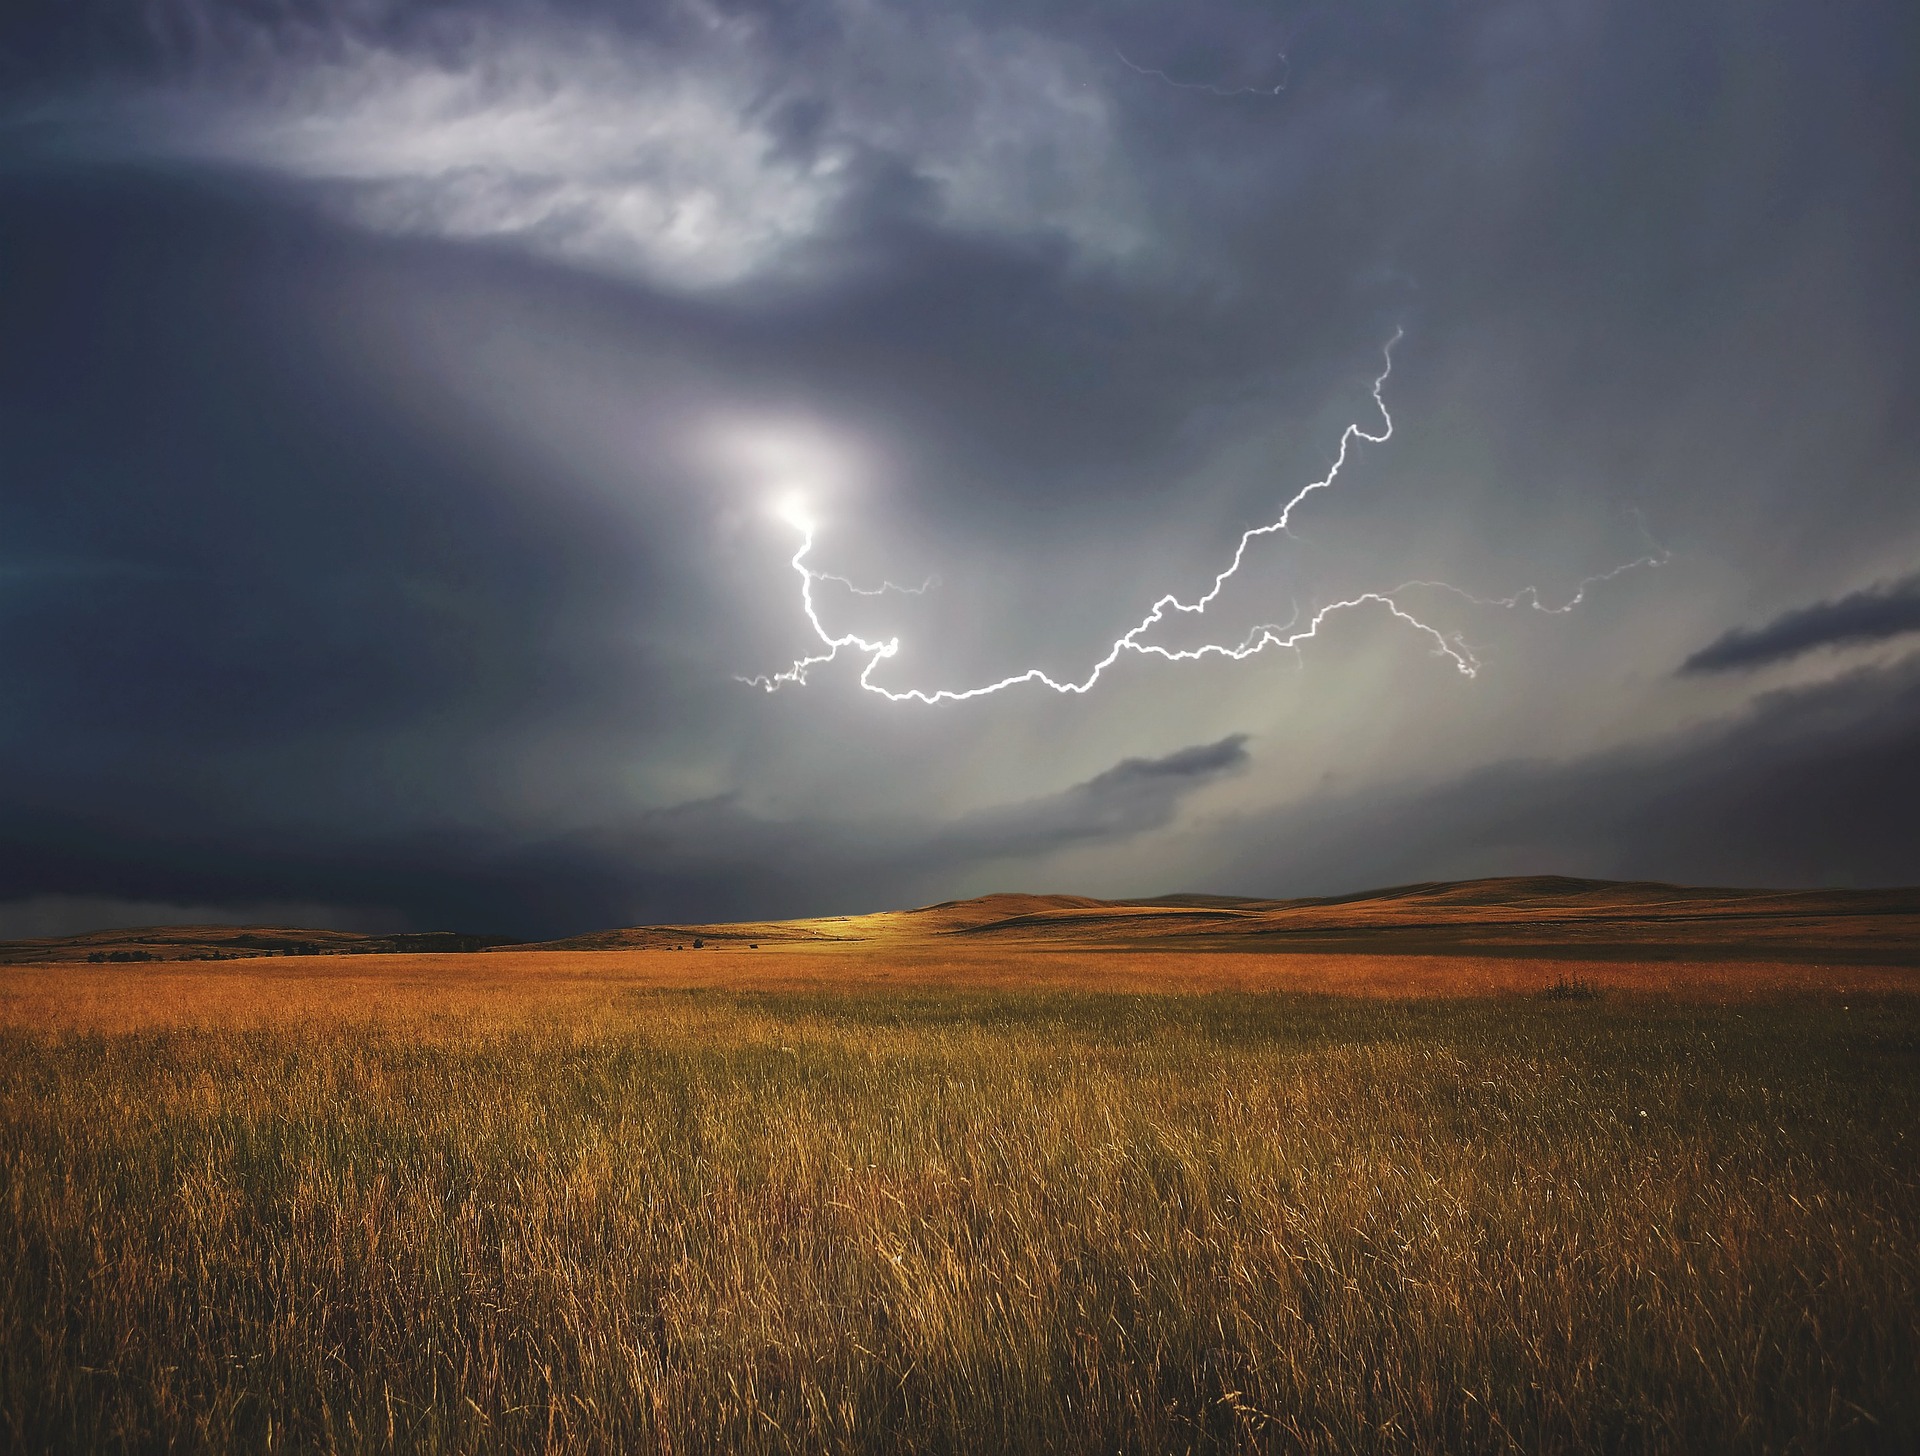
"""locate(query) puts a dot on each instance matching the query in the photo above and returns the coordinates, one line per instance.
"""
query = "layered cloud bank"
(1885, 610)
(695, 148)
(396, 404)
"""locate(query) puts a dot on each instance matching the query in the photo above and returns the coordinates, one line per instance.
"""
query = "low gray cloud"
(1130, 798)
(1886, 609)
(1809, 786)
(704, 860)
(715, 859)
(55, 915)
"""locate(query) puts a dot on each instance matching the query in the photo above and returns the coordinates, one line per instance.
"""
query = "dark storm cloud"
(974, 304)
(1007, 279)
(1886, 609)
(230, 530)
(294, 610)
(1812, 786)
(727, 861)
(704, 860)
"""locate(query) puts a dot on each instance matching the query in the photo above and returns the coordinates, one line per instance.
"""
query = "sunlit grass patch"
(970, 1222)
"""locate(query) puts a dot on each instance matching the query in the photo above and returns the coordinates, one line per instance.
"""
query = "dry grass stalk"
(696, 1222)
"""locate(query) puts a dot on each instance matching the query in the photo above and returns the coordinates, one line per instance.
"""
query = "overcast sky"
(405, 411)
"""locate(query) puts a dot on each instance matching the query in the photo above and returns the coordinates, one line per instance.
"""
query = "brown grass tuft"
(628, 1220)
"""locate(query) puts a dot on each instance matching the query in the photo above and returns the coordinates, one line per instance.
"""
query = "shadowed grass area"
(970, 1223)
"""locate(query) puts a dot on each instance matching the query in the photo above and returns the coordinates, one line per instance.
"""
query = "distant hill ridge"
(1522, 915)
(234, 942)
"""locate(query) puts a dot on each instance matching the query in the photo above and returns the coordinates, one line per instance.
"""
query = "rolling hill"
(1528, 916)
(1536, 916)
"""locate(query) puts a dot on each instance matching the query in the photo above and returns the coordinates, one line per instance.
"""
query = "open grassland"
(356, 1206)
(267, 991)
(1528, 917)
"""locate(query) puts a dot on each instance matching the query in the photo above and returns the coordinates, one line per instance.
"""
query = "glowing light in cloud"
(793, 510)
(1168, 607)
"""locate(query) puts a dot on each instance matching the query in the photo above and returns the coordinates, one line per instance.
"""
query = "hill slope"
(1527, 916)
(1532, 915)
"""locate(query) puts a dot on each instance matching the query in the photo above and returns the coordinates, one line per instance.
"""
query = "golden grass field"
(959, 1195)
(262, 991)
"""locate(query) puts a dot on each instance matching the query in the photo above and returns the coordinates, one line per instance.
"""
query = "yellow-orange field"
(260, 990)
(271, 990)
(836, 1187)
(1501, 937)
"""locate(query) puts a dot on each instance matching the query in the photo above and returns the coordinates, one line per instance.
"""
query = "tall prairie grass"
(940, 1223)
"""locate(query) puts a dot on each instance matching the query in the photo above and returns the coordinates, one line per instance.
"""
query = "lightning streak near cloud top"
(1211, 89)
(881, 590)
(1530, 596)
(1258, 640)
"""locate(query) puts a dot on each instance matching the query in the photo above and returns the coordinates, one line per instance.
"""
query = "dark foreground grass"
(1072, 1224)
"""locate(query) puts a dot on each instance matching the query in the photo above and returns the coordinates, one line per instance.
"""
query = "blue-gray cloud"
(707, 859)
(1818, 785)
(1133, 796)
(353, 551)
(1886, 609)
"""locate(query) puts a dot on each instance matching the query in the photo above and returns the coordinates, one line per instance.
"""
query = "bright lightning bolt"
(1215, 89)
(881, 590)
(1530, 596)
(1258, 640)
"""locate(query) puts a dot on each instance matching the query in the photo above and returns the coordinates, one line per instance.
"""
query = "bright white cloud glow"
(604, 159)
(598, 150)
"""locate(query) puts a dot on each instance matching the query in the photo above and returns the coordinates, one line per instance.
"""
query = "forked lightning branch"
(1260, 639)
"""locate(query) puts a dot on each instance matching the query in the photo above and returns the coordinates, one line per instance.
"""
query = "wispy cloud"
(1886, 609)
(700, 153)
(611, 157)
(1132, 797)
